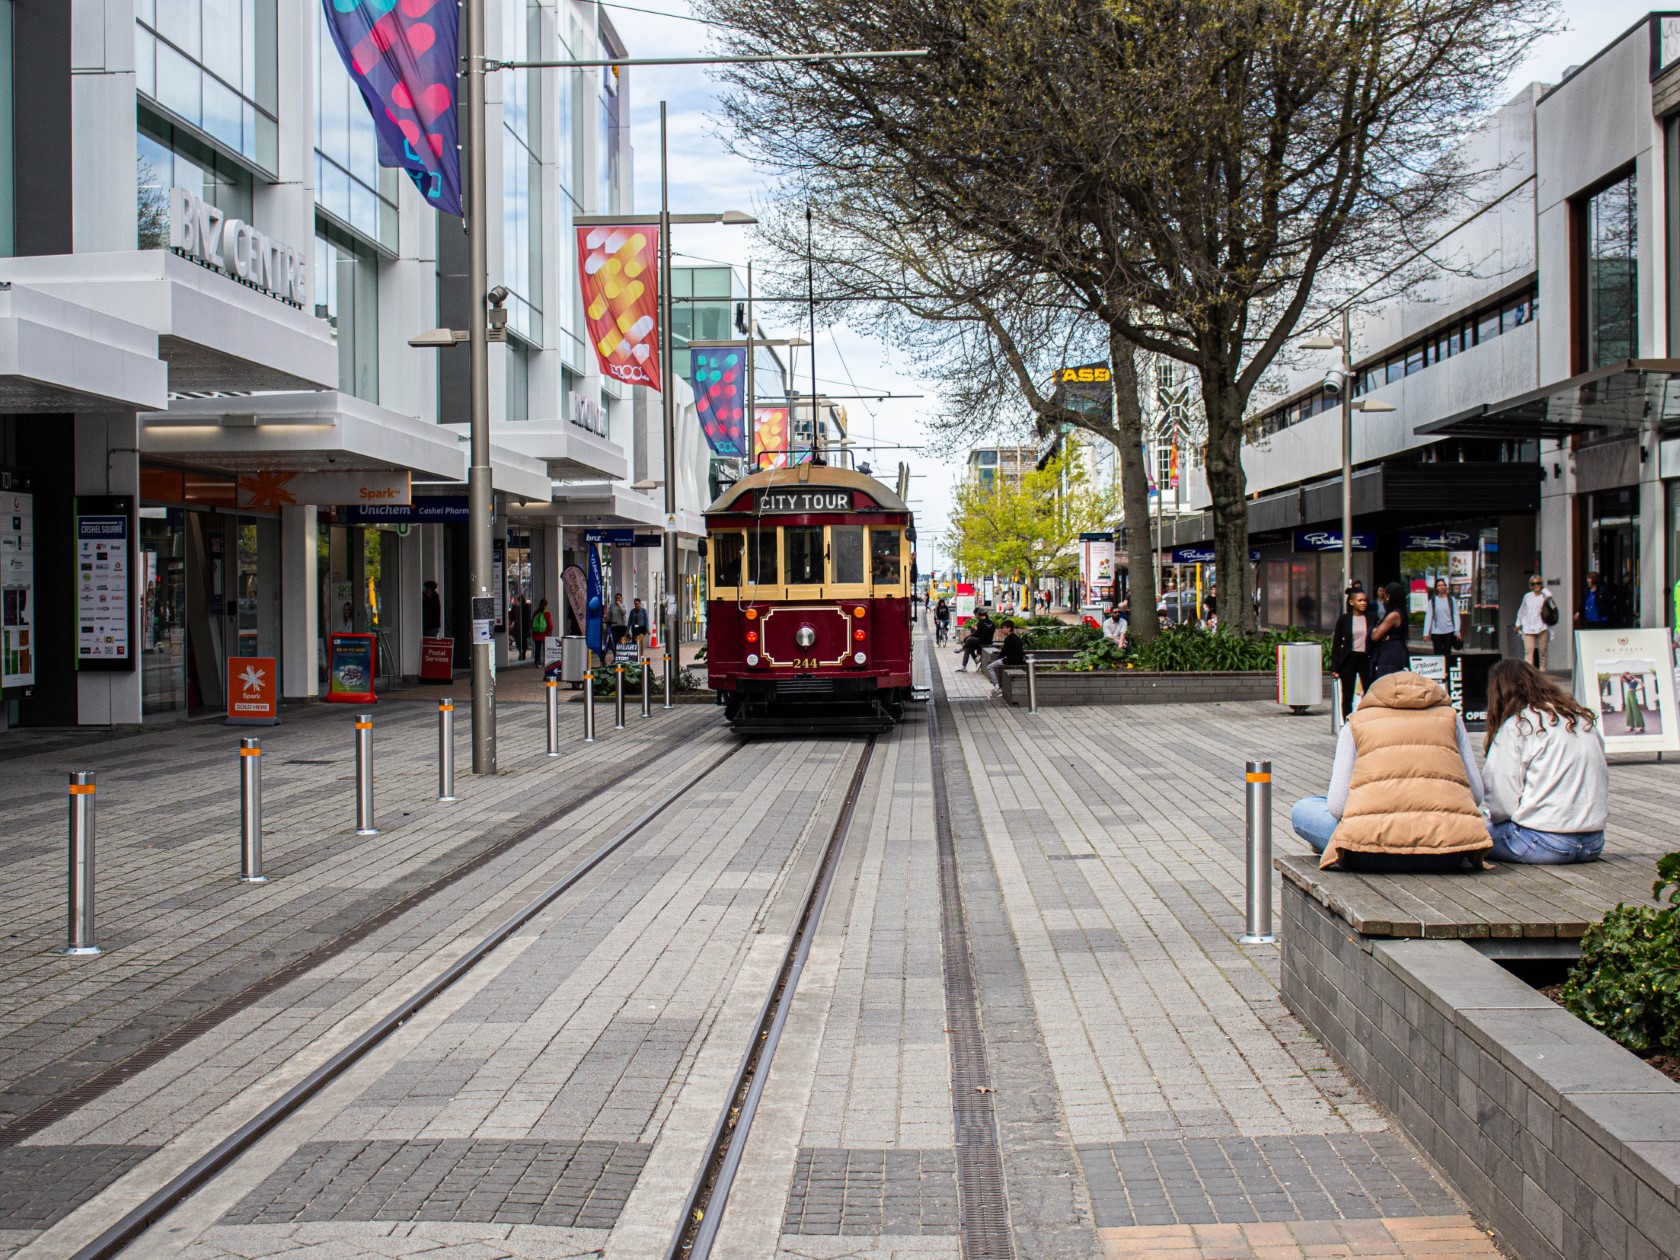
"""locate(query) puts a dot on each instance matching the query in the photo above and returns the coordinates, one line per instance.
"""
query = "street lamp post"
(1341, 379)
(478, 470)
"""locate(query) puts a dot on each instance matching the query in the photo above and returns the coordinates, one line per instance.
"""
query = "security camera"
(498, 295)
(1333, 381)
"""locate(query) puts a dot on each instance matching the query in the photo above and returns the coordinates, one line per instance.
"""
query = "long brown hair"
(1516, 685)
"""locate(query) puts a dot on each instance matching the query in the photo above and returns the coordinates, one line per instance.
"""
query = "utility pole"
(667, 394)
(1347, 455)
(479, 487)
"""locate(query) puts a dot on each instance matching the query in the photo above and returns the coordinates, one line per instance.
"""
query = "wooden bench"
(1503, 901)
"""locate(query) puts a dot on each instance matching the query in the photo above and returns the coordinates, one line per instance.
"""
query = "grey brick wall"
(1567, 1144)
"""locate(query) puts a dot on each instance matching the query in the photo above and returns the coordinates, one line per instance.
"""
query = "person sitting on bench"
(1545, 780)
(1012, 652)
(1405, 792)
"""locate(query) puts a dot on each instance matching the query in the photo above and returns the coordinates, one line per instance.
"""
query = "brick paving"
(1152, 1096)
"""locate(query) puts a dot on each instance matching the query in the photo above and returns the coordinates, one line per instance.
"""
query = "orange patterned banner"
(770, 437)
(618, 269)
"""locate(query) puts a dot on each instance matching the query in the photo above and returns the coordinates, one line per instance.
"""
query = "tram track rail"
(202, 1171)
(708, 1199)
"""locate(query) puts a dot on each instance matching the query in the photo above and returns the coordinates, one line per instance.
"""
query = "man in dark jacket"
(639, 626)
(1011, 653)
(431, 611)
(980, 635)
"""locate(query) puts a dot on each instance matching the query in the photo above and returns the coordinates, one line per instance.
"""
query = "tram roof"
(805, 476)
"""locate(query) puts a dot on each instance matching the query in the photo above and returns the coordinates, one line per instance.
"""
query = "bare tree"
(1188, 170)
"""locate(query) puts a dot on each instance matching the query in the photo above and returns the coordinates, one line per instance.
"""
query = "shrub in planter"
(1058, 637)
(1102, 654)
(1627, 984)
(1180, 648)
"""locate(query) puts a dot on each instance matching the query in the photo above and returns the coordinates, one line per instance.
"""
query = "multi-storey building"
(989, 466)
(1534, 376)
(209, 289)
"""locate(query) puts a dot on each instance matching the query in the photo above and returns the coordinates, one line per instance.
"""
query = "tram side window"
(884, 567)
(804, 547)
(847, 554)
(726, 559)
(761, 557)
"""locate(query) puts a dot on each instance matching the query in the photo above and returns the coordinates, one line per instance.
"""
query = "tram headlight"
(752, 658)
(860, 658)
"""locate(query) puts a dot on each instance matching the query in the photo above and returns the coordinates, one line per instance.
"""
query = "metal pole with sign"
(673, 597)
(478, 472)
(1347, 456)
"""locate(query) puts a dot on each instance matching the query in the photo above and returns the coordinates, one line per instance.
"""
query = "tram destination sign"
(807, 499)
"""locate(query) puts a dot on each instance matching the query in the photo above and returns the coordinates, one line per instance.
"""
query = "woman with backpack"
(1536, 616)
(541, 625)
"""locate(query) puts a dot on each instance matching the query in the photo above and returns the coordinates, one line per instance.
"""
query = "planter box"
(1564, 1141)
(1141, 686)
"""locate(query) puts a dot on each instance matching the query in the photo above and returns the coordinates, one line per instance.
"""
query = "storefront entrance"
(1613, 549)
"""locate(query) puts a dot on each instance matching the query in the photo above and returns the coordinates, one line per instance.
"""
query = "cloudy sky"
(706, 177)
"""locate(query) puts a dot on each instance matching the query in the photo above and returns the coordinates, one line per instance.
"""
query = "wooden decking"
(1526, 902)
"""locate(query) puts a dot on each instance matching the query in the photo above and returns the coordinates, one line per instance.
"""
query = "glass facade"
(167, 157)
(350, 185)
(213, 64)
(347, 297)
(522, 180)
(1610, 273)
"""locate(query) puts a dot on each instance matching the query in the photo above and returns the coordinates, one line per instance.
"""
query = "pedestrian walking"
(541, 626)
(1390, 654)
(523, 623)
(1597, 611)
(1545, 781)
(1350, 647)
(1440, 620)
(1404, 791)
(1536, 616)
(618, 622)
(638, 624)
(431, 611)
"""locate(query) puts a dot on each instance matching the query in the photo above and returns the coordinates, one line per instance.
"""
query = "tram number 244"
(805, 662)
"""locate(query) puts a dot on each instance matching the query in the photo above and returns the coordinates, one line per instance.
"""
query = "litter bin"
(574, 659)
(1300, 675)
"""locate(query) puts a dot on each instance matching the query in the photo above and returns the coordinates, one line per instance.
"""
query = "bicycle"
(941, 632)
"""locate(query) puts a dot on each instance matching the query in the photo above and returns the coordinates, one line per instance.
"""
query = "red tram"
(808, 619)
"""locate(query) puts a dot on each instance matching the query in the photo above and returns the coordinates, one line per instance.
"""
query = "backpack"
(1549, 612)
(539, 624)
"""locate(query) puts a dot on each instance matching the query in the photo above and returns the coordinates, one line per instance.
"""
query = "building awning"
(1626, 395)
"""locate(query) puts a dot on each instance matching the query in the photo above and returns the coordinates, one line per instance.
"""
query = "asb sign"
(201, 232)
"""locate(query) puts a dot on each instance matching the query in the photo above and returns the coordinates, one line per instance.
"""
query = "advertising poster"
(1097, 566)
(350, 668)
(1627, 677)
(104, 637)
(965, 603)
(618, 273)
(341, 606)
(253, 692)
(592, 616)
(17, 588)
(577, 597)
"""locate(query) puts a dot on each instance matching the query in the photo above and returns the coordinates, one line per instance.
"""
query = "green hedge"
(1181, 649)
(1627, 984)
(1058, 637)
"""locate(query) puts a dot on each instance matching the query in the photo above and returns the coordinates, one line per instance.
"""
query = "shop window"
(726, 559)
(518, 381)
(522, 175)
(213, 64)
(166, 158)
(1608, 247)
(347, 297)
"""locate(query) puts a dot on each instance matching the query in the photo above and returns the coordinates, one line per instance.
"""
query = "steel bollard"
(667, 680)
(364, 775)
(1032, 683)
(250, 811)
(618, 698)
(1259, 854)
(446, 750)
(552, 687)
(1335, 706)
(589, 706)
(79, 938)
(647, 688)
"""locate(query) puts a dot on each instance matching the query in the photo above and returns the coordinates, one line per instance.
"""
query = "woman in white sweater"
(1544, 782)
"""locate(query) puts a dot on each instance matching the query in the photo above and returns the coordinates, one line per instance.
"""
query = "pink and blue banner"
(403, 55)
(720, 396)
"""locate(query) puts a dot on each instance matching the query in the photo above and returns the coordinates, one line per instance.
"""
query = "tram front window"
(847, 554)
(761, 557)
(884, 567)
(726, 559)
(804, 548)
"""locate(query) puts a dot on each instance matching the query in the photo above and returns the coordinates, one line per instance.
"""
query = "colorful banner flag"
(618, 274)
(720, 396)
(770, 437)
(404, 58)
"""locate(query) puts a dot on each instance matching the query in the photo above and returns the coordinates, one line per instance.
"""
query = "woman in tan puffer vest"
(1405, 793)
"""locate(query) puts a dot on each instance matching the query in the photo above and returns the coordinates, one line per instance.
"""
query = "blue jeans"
(1315, 824)
(1513, 842)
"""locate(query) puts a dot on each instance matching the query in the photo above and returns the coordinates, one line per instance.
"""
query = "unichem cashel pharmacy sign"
(201, 232)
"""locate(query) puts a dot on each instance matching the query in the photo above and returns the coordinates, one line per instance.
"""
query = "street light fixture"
(1340, 381)
(663, 220)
